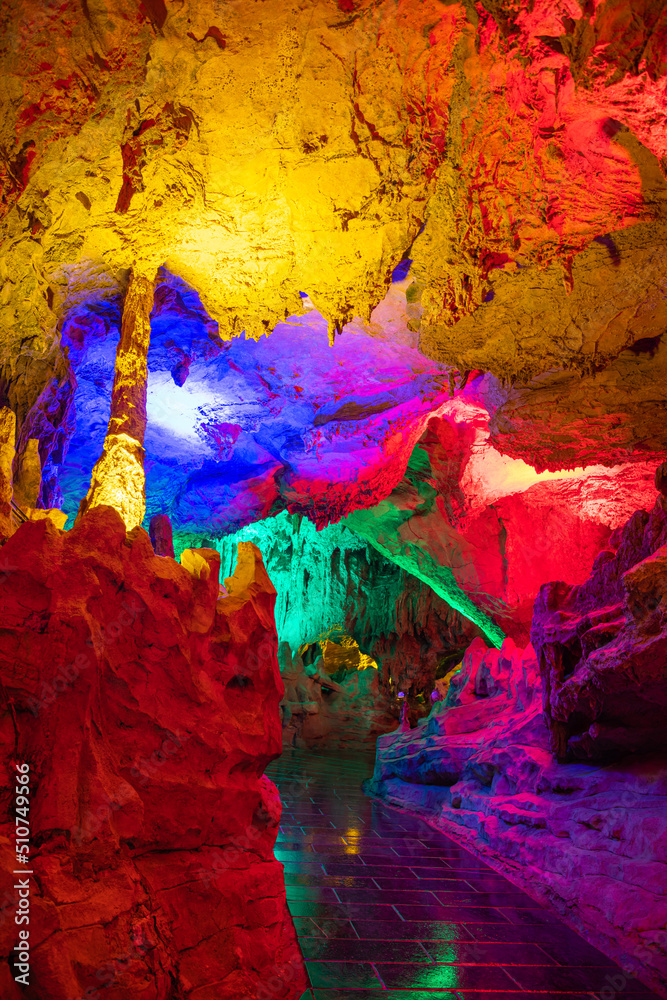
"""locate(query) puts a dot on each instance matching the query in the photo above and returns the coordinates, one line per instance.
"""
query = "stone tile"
(314, 893)
(333, 929)
(528, 933)
(412, 930)
(588, 978)
(374, 951)
(397, 896)
(462, 913)
(500, 953)
(575, 952)
(385, 906)
(389, 995)
(340, 911)
(351, 975)
(423, 884)
(475, 977)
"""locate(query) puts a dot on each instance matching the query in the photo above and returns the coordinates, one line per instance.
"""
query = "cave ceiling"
(273, 163)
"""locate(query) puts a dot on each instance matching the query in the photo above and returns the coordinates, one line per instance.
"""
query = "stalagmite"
(7, 436)
(161, 535)
(28, 478)
(118, 478)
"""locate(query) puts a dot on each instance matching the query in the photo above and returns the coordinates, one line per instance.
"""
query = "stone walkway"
(383, 902)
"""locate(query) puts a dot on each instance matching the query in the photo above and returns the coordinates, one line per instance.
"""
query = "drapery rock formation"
(486, 531)
(146, 723)
(332, 582)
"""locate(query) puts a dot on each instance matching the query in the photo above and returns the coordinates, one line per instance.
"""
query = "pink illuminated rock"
(588, 841)
(603, 647)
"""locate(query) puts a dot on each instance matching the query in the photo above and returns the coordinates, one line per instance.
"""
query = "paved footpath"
(385, 905)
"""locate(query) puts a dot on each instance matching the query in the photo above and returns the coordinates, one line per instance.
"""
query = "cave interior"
(333, 499)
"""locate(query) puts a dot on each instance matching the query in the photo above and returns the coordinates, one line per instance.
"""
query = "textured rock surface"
(7, 438)
(118, 477)
(319, 712)
(589, 841)
(560, 419)
(264, 149)
(238, 430)
(147, 708)
(332, 583)
(603, 647)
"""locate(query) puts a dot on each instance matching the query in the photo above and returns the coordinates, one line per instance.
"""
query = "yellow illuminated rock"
(28, 478)
(7, 436)
(262, 148)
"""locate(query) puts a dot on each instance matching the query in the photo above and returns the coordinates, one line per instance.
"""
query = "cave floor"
(382, 901)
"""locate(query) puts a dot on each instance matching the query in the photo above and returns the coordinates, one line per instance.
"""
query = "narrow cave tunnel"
(333, 499)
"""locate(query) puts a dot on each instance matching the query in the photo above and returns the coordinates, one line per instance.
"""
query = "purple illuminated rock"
(161, 535)
(587, 841)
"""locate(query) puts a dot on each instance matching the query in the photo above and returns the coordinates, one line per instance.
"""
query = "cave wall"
(585, 840)
(331, 582)
(146, 706)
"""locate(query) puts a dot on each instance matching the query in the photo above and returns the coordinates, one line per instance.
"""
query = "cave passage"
(383, 901)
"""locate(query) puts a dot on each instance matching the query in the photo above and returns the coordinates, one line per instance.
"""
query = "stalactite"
(118, 478)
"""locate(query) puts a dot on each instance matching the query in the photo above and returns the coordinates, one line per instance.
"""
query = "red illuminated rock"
(147, 708)
(161, 535)
(603, 647)
(488, 530)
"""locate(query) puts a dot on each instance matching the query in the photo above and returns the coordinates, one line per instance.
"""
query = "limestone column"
(7, 438)
(118, 478)
(28, 478)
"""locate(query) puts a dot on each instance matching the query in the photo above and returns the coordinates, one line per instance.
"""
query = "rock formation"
(161, 535)
(481, 765)
(549, 273)
(7, 438)
(118, 478)
(332, 582)
(320, 712)
(451, 218)
(587, 841)
(486, 531)
(602, 647)
(146, 706)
